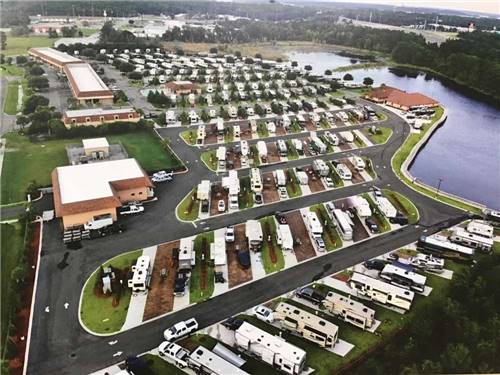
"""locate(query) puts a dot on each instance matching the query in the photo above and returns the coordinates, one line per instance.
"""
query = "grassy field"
(87, 31)
(27, 161)
(12, 241)
(246, 194)
(379, 138)
(403, 204)
(11, 98)
(197, 292)
(210, 159)
(19, 45)
(403, 153)
(98, 313)
(183, 208)
(11, 70)
(268, 264)
(155, 365)
(292, 151)
(330, 234)
(292, 187)
(189, 136)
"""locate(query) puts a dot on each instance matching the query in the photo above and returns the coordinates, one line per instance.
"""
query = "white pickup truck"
(133, 209)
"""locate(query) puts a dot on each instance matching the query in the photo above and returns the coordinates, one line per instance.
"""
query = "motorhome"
(279, 176)
(253, 125)
(310, 326)
(244, 149)
(385, 206)
(203, 190)
(141, 275)
(313, 224)
(99, 222)
(253, 233)
(444, 248)
(380, 291)
(268, 109)
(204, 361)
(232, 111)
(361, 206)
(358, 114)
(320, 167)
(284, 237)
(297, 143)
(342, 116)
(271, 127)
(187, 257)
(349, 310)
(359, 163)
(404, 278)
(343, 223)
(262, 150)
(343, 171)
(255, 180)
(270, 349)
(463, 237)
(285, 122)
(332, 138)
(219, 124)
(236, 131)
(170, 118)
(232, 184)
(193, 117)
(318, 145)
(302, 177)
(316, 120)
(282, 149)
(221, 158)
(200, 135)
(480, 228)
(218, 251)
(250, 111)
(347, 136)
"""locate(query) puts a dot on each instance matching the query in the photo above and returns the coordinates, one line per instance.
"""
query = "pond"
(464, 153)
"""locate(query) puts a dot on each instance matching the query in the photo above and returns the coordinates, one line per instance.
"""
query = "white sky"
(486, 6)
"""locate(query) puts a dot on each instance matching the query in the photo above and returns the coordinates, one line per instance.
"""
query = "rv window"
(322, 323)
(87, 119)
(365, 310)
(389, 297)
(101, 118)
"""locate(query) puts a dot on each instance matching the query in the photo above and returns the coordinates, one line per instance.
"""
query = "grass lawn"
(19, 45)
(87, 31)
(98, 313)
(10, 103)
(292, 151)
(402, 154)
(262, 130)
(335, 176)
(379, 218)
(136, 83)
(155, 365)
(189, 136)
(197, 291)
(189, 211)
(210, 159)
(246, 194)
(268, 264)
(11, 70)
(292, 187)
(358, 141)
(254, 154)
(330, 234)
(12, 241)
(295, 127)
(229, 135)
(403, 204)
(369, 167)
(25, 161)
(147, 149)
(382, 137)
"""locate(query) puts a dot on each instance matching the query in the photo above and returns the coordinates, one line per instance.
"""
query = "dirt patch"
(305, 146)
(345, 146)
(280, 130)
(205, 255)
(299, 232)
(233, 160)
(269, 191)
(211, 134)
(341, 276)
(217, 193)
(272, 153)
(160, 298)
(310, 126)
(245, 132)
(315, 183)
(236, 274)
(268, 233)
(356, 176)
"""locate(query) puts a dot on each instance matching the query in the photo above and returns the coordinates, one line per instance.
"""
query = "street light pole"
(439, 186)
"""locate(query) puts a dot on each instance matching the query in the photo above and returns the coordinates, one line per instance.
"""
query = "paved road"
(60, 345)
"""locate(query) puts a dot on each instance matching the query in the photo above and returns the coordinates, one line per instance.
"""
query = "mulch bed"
(272, 252)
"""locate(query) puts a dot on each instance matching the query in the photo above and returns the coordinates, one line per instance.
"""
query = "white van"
(359, 164)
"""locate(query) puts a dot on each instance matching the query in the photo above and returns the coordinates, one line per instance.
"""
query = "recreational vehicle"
(332, 138)
(170, 118)
(480, 228)
(403, 278)
(200, 134)
(380, 291)
(221, 158)
(236, 131)
(262, 149)
(219, 123)
(204, 361)
(280, 177)
(193, 117)
(343, 223)
(297, 143)
(444, 248)
(463, 237)
(347, 136)
(284, 237)
(386, 207)
(320, 167)
(318, 145)
(255, 180)
(361, 206)
(313, 224)
(359, 164)
(271, 127)
(302, 177)
(141, 277)
(351, 311)
(283, 150)
(253, 233)
(244, 149)
(310, 326)
(270, 349)
(343, 171)
(232, 111)
(187, 258)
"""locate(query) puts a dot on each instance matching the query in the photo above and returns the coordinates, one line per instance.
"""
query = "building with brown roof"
(400, 99)
(182, 88)
(98, 116)
(86, 85)
(85, 192)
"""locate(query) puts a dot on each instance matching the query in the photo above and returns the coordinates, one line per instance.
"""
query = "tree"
(8, 60)
(120, 96)
(348, 77)
(134, 75)
(22, 121)
(89, 52)
(328, 72)
(367, 81)
(205, 117)
(36, 70)
(184, 117)
(258, 56)
(213, 50)
(295, 64)
(3, 40)
(56, 127)
(34, 101)
(72, 102)
(53, 33)
(308, 68)
(101, 57)
(68, 32)
(38, 83)
(237, 54)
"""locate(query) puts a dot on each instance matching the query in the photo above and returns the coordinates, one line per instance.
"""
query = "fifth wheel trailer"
(254, 235)
(351, 311)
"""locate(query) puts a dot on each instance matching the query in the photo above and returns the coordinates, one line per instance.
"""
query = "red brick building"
(400, 99)
(98, 116)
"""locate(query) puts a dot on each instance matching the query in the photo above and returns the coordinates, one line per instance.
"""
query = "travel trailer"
(320, 167)
(343, 223)
(141, 275)
(253, 232)
(403, 278)
(284, 237)
(349, 310)
(463, 237)
(343, 171)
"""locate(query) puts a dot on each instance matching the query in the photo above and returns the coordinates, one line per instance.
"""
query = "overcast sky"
(487, 6)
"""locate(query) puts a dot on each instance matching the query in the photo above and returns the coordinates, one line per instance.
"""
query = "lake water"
(464, 152)
(319, 61)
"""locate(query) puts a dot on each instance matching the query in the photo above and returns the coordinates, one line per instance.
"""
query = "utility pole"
(370, 17)
(439, 186)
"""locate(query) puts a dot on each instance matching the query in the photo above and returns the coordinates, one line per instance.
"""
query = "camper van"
(283, 150)
(343, 171)
(253, 233)
(359, 164)
(141, 276)
(349, 310)
(310, 326)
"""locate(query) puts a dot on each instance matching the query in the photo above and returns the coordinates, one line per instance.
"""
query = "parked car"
(243, 258)
(372, 225)
(375, 264)
(320, 244)
(232, 323)
(264, 313)
(221, 206)
(258, 198)
(181, 329)
(129, 210)
(329, 182)
(111, 229)
(282, 192)
(281, 218)
(180, 283)
(311, 295)
(175, 353)
(230, 234)
(204, 205)
(399, 219)
(162, 176)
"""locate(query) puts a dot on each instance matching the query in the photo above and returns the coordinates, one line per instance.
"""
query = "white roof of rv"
(383, 286)
(218, 250)
(95, 142)
(415, 277)
(215, 363)
(481, 239)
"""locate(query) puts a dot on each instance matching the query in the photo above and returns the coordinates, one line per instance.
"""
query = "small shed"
(96, 148)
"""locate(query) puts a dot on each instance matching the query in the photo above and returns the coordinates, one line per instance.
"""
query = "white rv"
(170, 117)
(386, 207)
(347, 136)
(332, 138)
(403, 278)
(262, 149)
(297, 143)
(282, 149)
(343, 223)
(270, 349)
(200, 134)
(351, 311)
(280, 177)
(221, 158)
(313, 224)
(271, 127)
(343, 171)
(141, 277)
(232, 184)
(480, 228)
(462, 237)
(219, 123)
(284, 237)
(318, 145)
(232, 111)
(255, 180)
(187, 258)
(236, 131)
(203, 190)
(302, 177)
(361, 206)
(310, 326)
(254, 235)
(359, 163)
(99, 222)
(381, 291)
(244, 149)
(320, 167)
(203, 361)
(193, 117)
